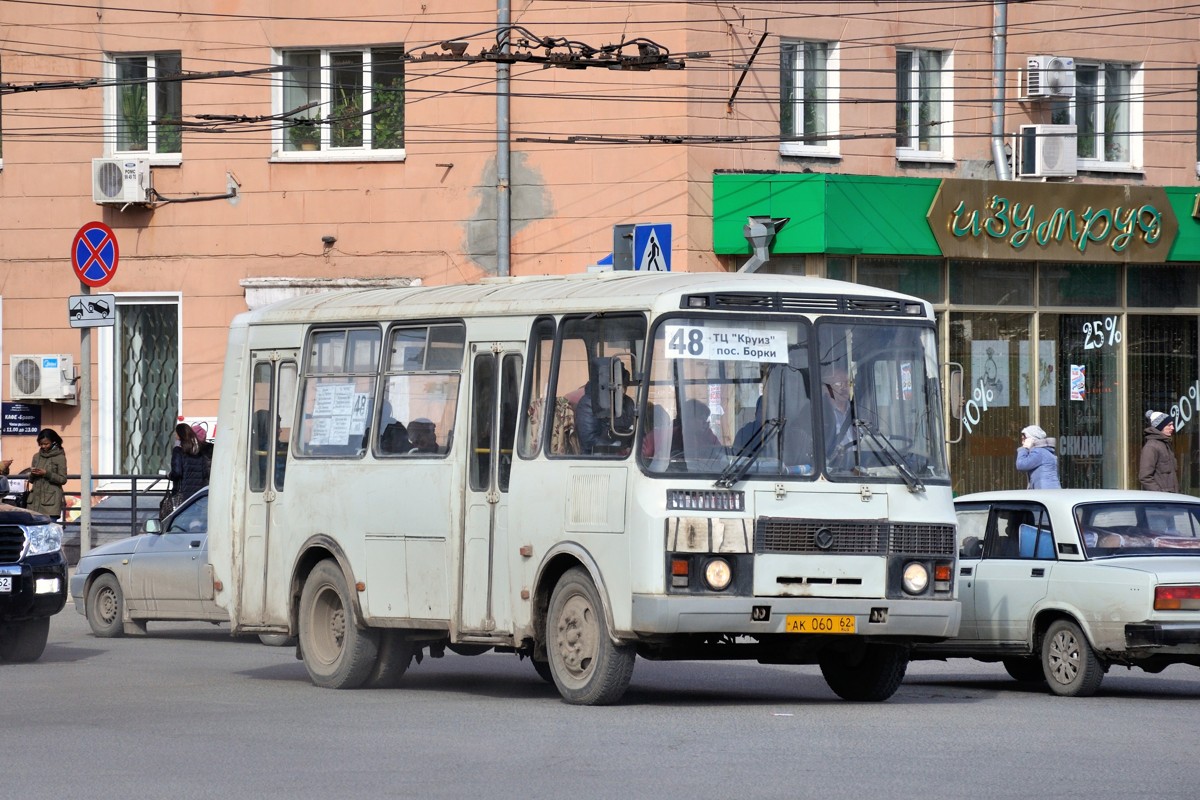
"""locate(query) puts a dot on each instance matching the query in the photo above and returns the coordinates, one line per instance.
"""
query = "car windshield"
(740, 397)
(1115, 529)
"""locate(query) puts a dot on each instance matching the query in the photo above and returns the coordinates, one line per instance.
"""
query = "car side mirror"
(152, 525)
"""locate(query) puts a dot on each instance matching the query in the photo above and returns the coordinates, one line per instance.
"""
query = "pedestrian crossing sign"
(652, 247)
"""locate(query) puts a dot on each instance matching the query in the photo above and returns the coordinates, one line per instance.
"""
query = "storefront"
(1072, 306)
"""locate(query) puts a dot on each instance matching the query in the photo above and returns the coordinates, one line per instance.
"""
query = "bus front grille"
(841, 537)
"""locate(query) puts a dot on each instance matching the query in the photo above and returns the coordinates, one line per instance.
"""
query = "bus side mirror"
(956, 399)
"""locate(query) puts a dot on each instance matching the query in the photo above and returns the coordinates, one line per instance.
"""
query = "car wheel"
(25, 640)
(336, 652)
(276, 639)
(106, 607)
(1025, 670)
(588, 667)
(1070, 665)
(872, 676)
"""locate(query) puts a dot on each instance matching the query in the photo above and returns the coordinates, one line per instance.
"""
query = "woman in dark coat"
(1156, 468)
(47, 475)
(189, 464)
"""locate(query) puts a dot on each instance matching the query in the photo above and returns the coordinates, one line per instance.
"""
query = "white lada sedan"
(1060, 585)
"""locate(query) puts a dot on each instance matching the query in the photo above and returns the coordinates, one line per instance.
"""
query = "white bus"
(582, 470)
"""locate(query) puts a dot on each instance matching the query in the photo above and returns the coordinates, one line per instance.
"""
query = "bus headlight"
(916, 578)
(718, 574)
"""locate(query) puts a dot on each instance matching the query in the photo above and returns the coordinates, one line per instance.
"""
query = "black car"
(33, 581)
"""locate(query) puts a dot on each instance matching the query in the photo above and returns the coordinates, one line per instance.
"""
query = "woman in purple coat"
(1036, 456)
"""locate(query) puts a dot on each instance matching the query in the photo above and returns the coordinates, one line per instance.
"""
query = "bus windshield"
(745, 397)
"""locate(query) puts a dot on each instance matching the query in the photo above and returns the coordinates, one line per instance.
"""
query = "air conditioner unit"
(44, 376)
(120, 181)
(1046, 151)
(1050, 76)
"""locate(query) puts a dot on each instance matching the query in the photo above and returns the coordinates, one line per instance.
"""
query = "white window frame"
(111, 112)
(828, 148)
(945, 153)
(105, 382)
(327, 153)
(1135, 112)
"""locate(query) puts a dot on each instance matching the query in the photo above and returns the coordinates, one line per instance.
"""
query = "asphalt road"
(188, 712)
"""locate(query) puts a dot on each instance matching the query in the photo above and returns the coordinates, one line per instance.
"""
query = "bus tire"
(872, 675)
(1070, 664)
(395, 654)
(588, 667)
(542, 668)
(337, 653)
(106, 607)
(25, 640)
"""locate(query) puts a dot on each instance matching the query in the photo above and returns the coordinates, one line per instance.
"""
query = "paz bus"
(583, 470)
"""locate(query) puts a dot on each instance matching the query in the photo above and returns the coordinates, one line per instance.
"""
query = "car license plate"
(819, 623)
(5, 584)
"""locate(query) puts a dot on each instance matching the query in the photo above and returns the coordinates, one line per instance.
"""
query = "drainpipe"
(503, 189)
(999, 51)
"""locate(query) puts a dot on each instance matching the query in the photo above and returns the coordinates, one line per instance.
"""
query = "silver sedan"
(1060, 585)
(162, 574)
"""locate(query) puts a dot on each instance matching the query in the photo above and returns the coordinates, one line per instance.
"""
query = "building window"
(145, 107)
(923, 104)
(342, 103)
(1107, 106)
(808, 94)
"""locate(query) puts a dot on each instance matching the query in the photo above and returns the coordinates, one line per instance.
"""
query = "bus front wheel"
(870, 675)
(337, 653)
(587, 666)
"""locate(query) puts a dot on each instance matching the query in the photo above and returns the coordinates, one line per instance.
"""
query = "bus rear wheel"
(587, 666)
(871, 675)
(337, 653)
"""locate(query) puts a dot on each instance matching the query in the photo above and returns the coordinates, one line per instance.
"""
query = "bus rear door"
(495, 383)
(274, 379)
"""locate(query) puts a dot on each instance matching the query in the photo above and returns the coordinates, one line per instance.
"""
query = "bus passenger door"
(483, 580)
(272, 401)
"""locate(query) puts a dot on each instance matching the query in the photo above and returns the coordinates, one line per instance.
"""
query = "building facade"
(246, 151)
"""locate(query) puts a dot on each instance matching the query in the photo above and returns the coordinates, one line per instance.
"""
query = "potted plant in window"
(387, 117)
(305, 134)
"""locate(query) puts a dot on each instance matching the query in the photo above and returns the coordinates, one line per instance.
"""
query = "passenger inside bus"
(423, 434)
(595, 430)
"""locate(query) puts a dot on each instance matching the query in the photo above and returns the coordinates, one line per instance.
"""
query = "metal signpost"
(94, 256)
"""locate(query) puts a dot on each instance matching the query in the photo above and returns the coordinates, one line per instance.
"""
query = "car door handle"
(1037, 572)
(195, 543)
(964, 570)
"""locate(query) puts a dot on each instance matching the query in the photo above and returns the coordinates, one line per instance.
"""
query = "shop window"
(998, 373)
(1080, 357)
(991, 283)
(1079, 285)
(1163, 286)
(923, 104)
(808, 98)
(1107, 108)
(918, 277)
(1163, 369)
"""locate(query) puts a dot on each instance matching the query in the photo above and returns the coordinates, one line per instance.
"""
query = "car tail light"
(1176, 598)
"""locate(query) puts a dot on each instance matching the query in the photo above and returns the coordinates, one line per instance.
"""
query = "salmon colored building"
(245, 151)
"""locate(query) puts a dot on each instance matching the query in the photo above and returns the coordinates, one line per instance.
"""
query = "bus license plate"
(5, 584)
(819, 623)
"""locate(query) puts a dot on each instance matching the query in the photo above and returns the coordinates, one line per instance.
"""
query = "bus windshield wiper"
(749, 453)
(892, 454)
